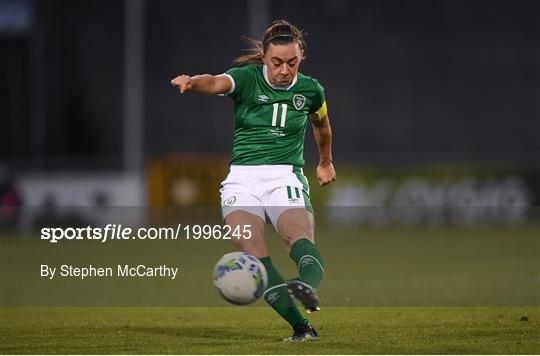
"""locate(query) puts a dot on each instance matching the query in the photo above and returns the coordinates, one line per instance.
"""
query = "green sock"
(277, 296)
(309, 261)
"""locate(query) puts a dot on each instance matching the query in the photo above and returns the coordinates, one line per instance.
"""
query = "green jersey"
(270, 122)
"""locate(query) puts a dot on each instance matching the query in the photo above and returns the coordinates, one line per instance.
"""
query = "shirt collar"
(265, 75)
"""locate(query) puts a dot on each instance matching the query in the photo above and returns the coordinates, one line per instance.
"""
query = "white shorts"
(265, 190)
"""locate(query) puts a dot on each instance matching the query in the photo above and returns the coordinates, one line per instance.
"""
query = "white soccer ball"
(240, 278)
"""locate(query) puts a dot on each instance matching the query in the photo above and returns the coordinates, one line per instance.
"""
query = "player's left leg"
(287, 205)
(289, 208)
(296, 227)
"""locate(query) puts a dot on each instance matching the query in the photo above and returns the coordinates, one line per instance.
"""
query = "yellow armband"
(319, 114)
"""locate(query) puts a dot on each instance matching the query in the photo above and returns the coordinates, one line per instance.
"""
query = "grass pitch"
(482, 266)
(257, 330)
(432, 290)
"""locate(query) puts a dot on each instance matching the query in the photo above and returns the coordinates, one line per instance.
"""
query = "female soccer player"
(272, 105)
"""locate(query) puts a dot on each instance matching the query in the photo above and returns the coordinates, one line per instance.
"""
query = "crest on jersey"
(299, 101)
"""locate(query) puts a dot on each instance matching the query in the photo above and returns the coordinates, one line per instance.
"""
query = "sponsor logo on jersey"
(293, 200)
(276, 133)
(263, 98)
(299, 101)
(229, 201)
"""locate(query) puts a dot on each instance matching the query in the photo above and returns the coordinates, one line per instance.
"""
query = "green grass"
(256, 330)
(432, 266)
(430, 290)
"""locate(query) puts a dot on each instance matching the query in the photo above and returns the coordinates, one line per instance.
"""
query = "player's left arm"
(322, 131)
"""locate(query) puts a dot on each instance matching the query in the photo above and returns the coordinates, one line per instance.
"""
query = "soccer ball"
(240, 278)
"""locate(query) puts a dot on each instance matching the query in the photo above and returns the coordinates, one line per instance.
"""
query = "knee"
(291, 232)
(255, 247)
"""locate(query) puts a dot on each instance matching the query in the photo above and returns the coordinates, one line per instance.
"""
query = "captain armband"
(319, 114)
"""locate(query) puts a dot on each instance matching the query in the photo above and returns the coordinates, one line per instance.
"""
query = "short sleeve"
(318, 99)
(318, 106)
(241, 77)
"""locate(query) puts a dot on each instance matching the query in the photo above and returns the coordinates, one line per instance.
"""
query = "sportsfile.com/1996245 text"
(121, 233)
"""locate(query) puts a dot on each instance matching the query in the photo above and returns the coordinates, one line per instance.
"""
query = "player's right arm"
(203, 84)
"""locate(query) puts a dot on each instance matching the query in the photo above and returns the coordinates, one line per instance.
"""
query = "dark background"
(406, 81)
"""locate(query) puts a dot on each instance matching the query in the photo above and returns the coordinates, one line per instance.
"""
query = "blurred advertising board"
(428, 195)
(80, 198)
(185, 180)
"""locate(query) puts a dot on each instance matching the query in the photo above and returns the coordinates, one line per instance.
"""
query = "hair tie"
(277, 36)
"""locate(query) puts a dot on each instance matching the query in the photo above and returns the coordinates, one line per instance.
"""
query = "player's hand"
(182, 82)
(325, 173)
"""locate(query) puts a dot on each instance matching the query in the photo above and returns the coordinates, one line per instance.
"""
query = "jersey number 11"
(283, 114)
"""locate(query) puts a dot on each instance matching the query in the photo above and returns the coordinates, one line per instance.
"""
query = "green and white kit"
(270, 122)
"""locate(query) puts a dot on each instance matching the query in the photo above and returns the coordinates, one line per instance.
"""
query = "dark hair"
(280, 32)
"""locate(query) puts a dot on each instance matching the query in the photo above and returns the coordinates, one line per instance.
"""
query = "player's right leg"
(240, 209)
(241, 221)
(276, 293)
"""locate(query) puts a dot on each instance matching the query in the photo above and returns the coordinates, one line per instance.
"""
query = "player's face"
(282, 61)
